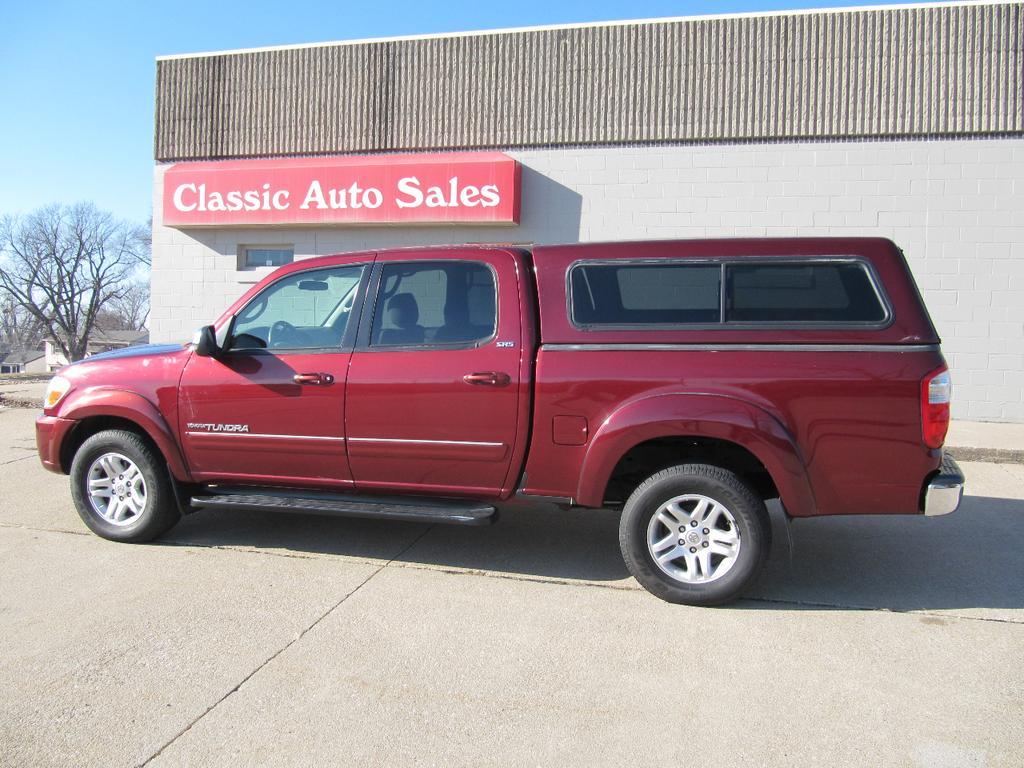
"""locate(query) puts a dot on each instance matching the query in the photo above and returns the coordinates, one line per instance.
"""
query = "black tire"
(722, 486)
(160, 511)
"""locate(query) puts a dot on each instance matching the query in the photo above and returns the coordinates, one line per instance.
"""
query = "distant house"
(33, 361)
(100, 341)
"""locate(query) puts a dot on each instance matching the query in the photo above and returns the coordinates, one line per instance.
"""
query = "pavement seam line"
(37, 529)
(292, 555)
(12, 461)
(454, 571)
(281, 650)
(866, 608)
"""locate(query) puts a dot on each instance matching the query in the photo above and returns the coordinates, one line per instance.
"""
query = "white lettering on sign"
(192, 197)
(409, 186)
(409, 193)
(354, 197)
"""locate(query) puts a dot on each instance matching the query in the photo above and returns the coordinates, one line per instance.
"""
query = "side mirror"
(205, 342)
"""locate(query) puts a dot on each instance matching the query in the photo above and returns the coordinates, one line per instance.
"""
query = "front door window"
(306, 310)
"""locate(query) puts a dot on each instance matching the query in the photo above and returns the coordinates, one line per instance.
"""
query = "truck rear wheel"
(694, 534)
(121, 488)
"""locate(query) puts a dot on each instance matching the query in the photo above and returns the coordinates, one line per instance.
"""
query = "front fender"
(132, 407)
(691, 415)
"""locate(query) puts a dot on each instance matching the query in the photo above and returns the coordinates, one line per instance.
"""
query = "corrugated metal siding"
(945, 70)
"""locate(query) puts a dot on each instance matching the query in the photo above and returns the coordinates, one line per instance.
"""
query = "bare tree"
(18, 329)
(145, 237)
(132, 309)
(63, 264)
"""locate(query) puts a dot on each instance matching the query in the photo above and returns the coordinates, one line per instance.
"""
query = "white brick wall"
(956, 208)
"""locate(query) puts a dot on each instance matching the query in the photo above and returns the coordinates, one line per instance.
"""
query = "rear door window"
(430, 304)
(817, 293)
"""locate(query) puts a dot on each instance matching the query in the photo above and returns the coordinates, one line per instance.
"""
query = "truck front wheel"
(694, 534)
(121, 488)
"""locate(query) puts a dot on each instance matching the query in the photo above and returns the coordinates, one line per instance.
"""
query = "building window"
(266, 256)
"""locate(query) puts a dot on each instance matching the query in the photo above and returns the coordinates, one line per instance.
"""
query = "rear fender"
(708, 416)
(132, 407)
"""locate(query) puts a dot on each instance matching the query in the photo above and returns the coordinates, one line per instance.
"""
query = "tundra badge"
(192, 427)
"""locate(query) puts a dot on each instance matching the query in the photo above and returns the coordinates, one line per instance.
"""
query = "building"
(101, 340)
(33, 361)
(902, 121)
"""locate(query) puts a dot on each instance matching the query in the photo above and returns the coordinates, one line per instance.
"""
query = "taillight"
(936, 392)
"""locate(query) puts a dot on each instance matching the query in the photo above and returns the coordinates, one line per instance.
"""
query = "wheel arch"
(99, 410)
(649, 457)
(750, 437)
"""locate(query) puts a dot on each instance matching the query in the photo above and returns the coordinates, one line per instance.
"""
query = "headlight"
(55, 391)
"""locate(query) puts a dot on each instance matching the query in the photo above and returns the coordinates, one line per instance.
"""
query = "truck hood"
(152, 371)
(143, 350)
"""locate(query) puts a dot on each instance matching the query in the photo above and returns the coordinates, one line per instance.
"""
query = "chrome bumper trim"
(945, 490)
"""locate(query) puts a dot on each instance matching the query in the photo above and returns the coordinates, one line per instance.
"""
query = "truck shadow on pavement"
(529, 540)
(971, 559)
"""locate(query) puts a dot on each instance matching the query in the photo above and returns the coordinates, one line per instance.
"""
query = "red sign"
(463, 188)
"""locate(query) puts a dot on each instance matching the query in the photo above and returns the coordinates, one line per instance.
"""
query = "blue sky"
(77, 78)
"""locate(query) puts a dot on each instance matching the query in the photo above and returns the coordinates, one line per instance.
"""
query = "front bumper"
(50, 434)
(943, 493)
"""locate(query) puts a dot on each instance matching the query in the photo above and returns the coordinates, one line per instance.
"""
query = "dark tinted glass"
(645, 294)
(802, 293)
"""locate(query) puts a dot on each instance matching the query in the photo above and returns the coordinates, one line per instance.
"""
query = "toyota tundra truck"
(684, 383)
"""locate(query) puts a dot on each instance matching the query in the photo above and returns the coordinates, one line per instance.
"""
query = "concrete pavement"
(22, 390)
(986, 434)
(289, 640)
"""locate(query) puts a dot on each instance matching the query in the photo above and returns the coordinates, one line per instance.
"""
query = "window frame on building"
(283, 248)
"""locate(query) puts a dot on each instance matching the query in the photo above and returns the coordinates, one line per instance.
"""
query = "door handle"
(488, 379)
(313, 378)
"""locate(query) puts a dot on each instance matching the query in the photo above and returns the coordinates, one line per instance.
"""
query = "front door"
(271, 407)
(433, 386)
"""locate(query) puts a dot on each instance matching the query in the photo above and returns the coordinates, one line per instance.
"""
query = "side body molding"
(132, 407)
(697, 415)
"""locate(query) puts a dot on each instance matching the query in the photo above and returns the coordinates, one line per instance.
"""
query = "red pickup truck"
(684, 381)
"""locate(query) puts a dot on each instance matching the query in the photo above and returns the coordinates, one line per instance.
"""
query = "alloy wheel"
(694, 539)
(116, 488)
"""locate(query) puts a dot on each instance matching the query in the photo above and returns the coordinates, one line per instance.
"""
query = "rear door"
(433, 389)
